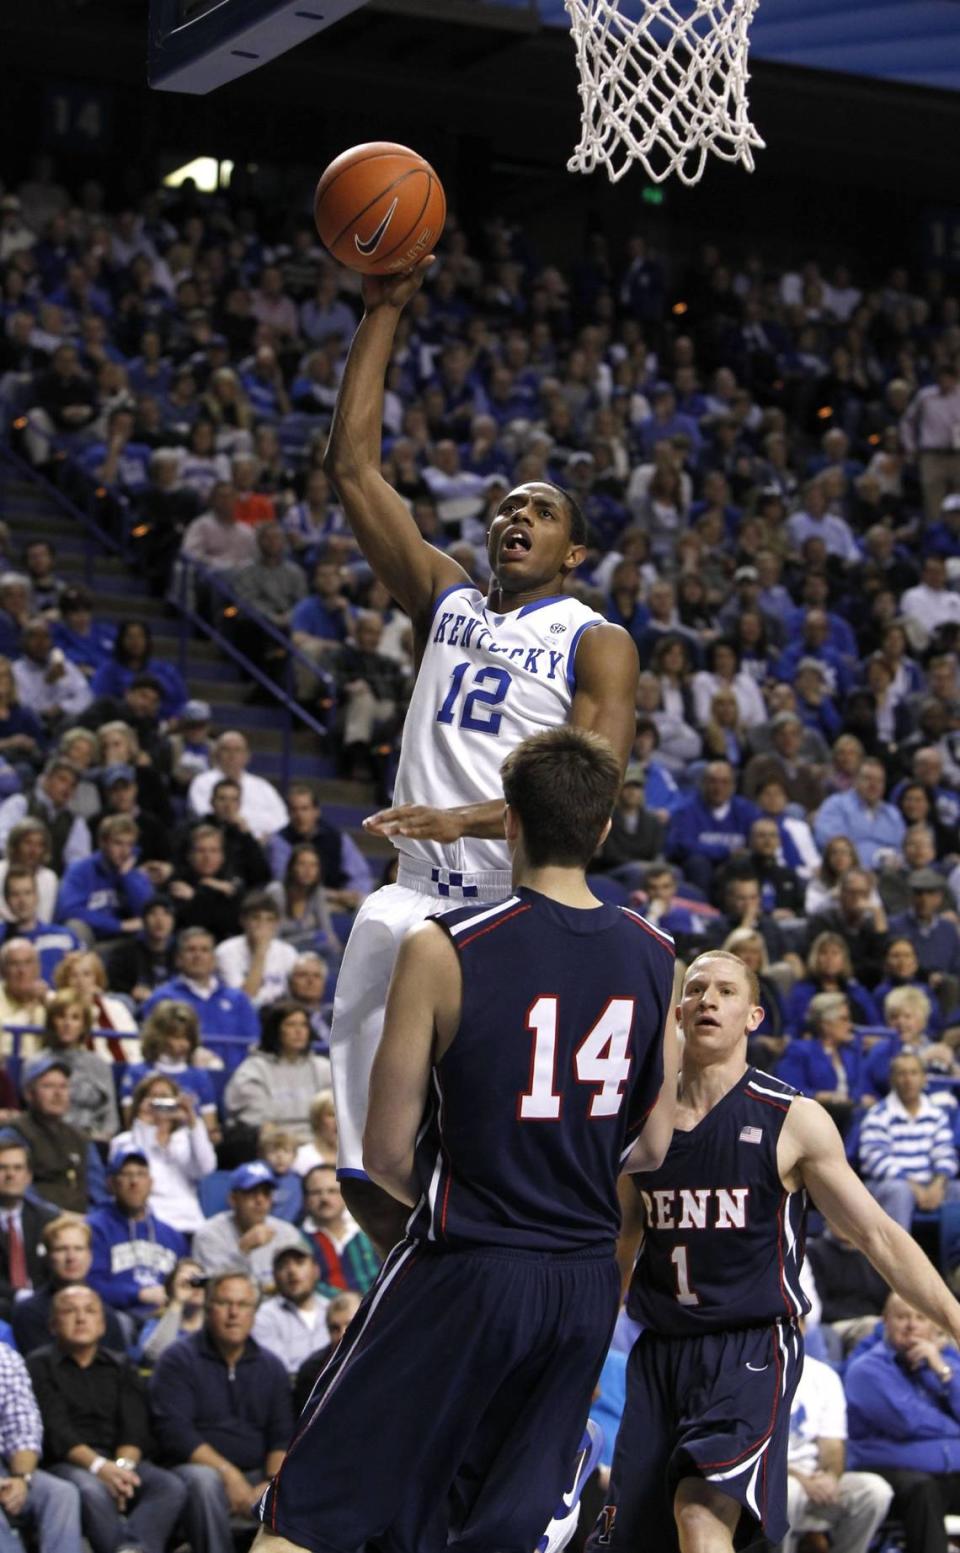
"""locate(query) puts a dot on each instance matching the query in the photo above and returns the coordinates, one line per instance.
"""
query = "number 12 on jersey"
(601, 1059)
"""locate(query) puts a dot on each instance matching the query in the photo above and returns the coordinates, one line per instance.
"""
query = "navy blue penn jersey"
(723, 1239)
(548, 1081)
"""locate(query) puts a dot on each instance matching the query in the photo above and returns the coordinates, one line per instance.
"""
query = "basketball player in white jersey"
(491, 671)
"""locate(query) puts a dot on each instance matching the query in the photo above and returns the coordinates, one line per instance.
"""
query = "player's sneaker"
(567, 1513)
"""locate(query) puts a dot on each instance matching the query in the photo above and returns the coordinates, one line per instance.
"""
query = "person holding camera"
(168, 1135)
(133, 1250)
(182, 1314)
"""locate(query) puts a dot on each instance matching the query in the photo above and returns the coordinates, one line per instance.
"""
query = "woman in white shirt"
(176, 1146)
(723, 672)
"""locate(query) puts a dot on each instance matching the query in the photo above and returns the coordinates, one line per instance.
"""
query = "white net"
(667, 90)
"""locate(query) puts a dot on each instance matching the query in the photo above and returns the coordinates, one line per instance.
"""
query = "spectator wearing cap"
(246, 1235)
(222, 1408)
(50, 802)
(21, 995)
(166, 1130)
(344, 1255)
(933, 935)
(97, 1432)
(49, 1509)
(943, 537)
(221, 1010)
(67, 1170)
(85, 640)
(260, 804)
(141, 963)
(191, 749)
(103, 896)
(636, 835)
(814, 705)
(257, 960)
(23, 1217)
(47, 683)
(291, 1322)
(873, 825)
(66, 1240)
(51, 940)
(340, 1312)
(133, 1250)
(121, 795)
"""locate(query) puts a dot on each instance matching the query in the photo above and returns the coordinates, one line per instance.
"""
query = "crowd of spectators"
(768, 456)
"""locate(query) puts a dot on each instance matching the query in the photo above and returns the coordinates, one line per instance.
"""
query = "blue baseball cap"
(124, 1157)
(45, 1063)
(246, 1178)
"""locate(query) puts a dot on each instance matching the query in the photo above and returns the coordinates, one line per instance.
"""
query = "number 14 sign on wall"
(77, 118)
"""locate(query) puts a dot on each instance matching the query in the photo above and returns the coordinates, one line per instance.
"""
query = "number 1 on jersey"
(685, 1295)
(602, 1058)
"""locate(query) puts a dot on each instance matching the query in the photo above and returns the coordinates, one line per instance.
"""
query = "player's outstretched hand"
(417, 821)
(395, 290)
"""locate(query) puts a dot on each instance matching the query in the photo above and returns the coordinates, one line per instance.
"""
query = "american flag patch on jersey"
(751, 1134)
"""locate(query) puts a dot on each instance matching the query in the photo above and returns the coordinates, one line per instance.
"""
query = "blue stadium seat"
(213, 1191)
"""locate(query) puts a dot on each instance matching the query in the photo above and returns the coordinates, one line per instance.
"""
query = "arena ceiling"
(913, 41)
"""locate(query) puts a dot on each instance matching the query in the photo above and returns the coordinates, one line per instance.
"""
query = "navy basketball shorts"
(715, 1407)
(450, 1414)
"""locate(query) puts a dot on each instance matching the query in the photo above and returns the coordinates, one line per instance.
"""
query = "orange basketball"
(379, 208)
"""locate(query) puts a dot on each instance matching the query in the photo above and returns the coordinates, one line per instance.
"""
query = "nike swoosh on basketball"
(373, 243)
(758, 1369)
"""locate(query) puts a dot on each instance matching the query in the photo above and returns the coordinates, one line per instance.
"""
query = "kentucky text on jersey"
(463, 631)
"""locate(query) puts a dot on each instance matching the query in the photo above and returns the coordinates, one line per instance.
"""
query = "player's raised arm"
(810, 1154)
(605, 701)
(423, 1010)
(413, 571)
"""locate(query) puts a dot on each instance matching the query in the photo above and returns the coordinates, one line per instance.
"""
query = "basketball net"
(664, 91)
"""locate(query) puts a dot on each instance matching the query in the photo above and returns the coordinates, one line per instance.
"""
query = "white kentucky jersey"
(486, 682)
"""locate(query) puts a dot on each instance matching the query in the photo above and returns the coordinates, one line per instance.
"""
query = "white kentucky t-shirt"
(819, 1412)
(486, 682)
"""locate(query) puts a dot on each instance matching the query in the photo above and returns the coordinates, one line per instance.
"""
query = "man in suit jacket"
(22, 1219)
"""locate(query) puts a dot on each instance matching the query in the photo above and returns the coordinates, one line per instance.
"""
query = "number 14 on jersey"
(602, 1059)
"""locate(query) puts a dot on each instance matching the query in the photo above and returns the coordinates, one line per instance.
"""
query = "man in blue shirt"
(103, 896)
(861, 813)
(933, 936)
(51, 941)
(222, 1010)
(710, 825)
(132, 1250)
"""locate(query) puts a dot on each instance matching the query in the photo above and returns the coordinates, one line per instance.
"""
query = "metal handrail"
(179, 596)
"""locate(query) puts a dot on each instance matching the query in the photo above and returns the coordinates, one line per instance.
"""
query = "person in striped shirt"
(50, 1506)
(907, 1154)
